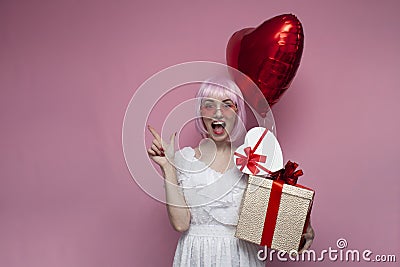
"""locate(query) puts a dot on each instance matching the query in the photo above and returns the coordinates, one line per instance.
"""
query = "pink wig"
(220, 88)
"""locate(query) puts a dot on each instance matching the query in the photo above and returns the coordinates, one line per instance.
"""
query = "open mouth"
(218, 127)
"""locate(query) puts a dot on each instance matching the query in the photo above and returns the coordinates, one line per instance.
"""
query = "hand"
(307, 238)
(161, 152)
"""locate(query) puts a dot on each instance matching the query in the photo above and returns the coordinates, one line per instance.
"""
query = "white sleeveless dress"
(214, 199)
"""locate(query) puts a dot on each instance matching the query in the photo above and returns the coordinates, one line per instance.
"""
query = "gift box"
(260, 154)
(274, 214)
(275, 210)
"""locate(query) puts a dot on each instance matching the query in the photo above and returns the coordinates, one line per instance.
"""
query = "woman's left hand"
(307, 238)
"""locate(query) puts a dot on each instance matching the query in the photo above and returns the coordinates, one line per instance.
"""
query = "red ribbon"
(286, 175)
(251, 160)
(272, 213)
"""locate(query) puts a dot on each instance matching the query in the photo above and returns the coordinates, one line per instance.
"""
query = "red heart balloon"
(269, 55)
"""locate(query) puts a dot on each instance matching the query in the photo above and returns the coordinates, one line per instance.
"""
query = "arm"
(178, 211)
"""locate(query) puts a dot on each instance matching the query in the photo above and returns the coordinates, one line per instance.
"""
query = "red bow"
(251, 159)
(289, 175)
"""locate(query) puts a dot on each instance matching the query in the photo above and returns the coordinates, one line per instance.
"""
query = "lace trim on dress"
(217, 194)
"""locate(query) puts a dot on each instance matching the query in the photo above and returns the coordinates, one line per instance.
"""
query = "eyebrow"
(213, 100)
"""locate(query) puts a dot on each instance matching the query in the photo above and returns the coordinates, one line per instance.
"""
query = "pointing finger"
(154, 133)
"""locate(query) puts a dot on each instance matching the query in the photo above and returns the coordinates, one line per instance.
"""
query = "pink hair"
(219, 88)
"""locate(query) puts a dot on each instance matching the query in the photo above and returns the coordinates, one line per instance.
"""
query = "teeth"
(218, 123)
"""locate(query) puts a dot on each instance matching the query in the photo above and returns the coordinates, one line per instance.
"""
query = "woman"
(204, 188)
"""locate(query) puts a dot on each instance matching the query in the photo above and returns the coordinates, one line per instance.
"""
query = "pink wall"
(69, 68)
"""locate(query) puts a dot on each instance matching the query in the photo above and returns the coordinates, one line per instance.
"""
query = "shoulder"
(184, 156)
(185, 153)
(184, 159)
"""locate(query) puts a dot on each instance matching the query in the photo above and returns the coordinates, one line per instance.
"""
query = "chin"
(220, 138)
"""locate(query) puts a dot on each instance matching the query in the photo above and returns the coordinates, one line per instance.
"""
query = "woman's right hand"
(161, 152)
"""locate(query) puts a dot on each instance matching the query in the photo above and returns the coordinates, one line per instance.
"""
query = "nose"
(218, 112)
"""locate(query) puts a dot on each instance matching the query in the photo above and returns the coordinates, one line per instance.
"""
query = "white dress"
(214, 199)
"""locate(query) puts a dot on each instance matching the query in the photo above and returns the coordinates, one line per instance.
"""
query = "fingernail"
(161, 149)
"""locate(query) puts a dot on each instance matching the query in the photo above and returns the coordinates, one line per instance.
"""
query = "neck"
(223, 146)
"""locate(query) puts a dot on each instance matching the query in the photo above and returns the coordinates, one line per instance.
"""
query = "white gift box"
(260, 154)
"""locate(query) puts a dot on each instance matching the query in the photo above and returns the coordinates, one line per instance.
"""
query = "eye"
(228, 105)
(209, 105)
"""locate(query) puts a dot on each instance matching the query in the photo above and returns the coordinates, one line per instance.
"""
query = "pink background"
(69, 68)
